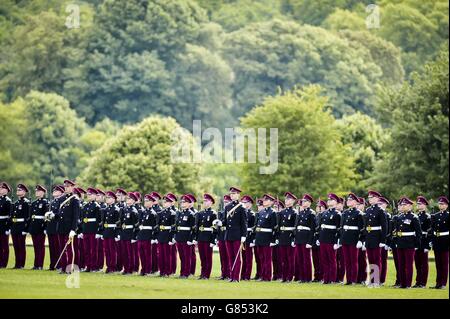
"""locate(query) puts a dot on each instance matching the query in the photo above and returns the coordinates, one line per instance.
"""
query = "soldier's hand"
(189, 243)
(24, 233)
(308, 246)
(317, 242)
(425, 250)
(45, 232)
(7, 232)
(243, 239)
(363, 248)
(387, 248)
(272, 244)
(117, 238)
(194, 242)
(252, 244)
(80, 236)
(98, 236)
(381, 245)
(72, 234)
(293, 244)
(335, 246)
(359, 244)
(133, 241)
(211, 245)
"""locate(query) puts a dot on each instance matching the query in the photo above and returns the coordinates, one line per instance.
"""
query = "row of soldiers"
(286, 238)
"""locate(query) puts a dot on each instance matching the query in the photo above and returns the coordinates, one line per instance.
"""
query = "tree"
(415, 158)
(274, 54)
(344, 20)
(139, 158)
(311, 155)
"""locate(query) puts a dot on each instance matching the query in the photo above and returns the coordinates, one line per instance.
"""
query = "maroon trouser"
(350, 253)
(67, 257)
(109, 245)
(90, 251)
(4, 250)
(362, 266)
(265, 258)
(119, 266)
(383, 272)
(165, 258)
(276, 263)
(234, 258)
(145, 255)
(247, 262)
(340, 265)
(405, 263)
(258, 263)
(19, 250)
(206, 253)
(155, 263)
(374, 257)
(224, 263)
(184, 251)
(134, 257)
(173, 259)
(79, 252)
(54, 250)
(286, 255)
(318, 275)
(127, 256)
(303, 266)
(100, 254)
(421, 261)
(328, 262)
(39, 249)
(441, 259)
(193, 263)
(397, 270)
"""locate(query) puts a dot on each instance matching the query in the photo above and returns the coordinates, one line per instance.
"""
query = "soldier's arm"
(312, 226)
(76, 213)
(243, 222)
(361, 227)
(384, 227)
(418, 231)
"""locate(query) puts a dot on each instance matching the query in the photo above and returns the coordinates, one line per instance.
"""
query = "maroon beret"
(69, 182)
(405, 201)
(58, 188)
(383, 200)
(100, 192)
(361, 201)
(443, 200)
(138, 195)
(192, 197)
(41, 188)
(259, 202)
(268, 197)
(235, 190)
(149, 197)
(170, 197)
(82, 191)
(279, 204)
(227, 198)
(91, 191)
(111, 194)
(308, 198)
(22, 187)
(5, 186)
(322, 203)
(373, 193)
(422, 200)
(77, 192)
(290, 195)
(156, 195)
(121, 191)
(132, 196)
(186, 198)
(352, 196)
(209, 197)
(333, 196)
(247, 199)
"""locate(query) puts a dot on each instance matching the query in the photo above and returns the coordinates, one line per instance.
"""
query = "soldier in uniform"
(375, 234)
(145, 236)
(110, 221)
(247, 251)
(157, 208)
(68, 216)
(362, 252)
(128, 222)
(277, 207)
(185, 223)
(37, 226)
(236, 232)
(383, 203)
(90, 219)
(340, 263)
(328, 239)
(205, 235)
(421, 255)
(321, 206)
(99, 236)
(259, 207)
(164, 234)
(51, 223)
(305, 228)
(20, 217)
(78, 240)
(5, 223)
(440, 242)
(193, 262)
(265, 236)
(352, 227)
(121, 195)
(224, 263)
(408, 231)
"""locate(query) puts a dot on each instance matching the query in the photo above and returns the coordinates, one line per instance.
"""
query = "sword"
(237, 255)
(64, 249)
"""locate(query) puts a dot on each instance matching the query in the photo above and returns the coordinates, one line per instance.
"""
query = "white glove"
(363, 248)
(101, 237)
(431, 244)
(381, 245)
(317, 242)
(293, 244)
(24, 233)
(117, 238)
(140, 227)
(97, 236)
(243, 239)
(335, 246)
(387, 248)
(425, 250)
(415, 248)
(252, 245)
(308, 246)
(189, 243)
(359, 244)
(72, 234)
(172, 242)
(49, 215)
(133, 241)
(211, 245)
(80, 236)
(277, 241)
(7, 232)
(272, 244)
(194, 242)
(45, 232)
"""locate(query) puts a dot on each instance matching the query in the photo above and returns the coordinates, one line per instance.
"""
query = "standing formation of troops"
(119, 231)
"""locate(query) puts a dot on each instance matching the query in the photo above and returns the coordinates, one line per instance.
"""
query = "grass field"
(46, 284)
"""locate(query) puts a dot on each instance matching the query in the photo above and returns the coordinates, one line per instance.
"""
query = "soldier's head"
(405, 204)
(247, 201)
(422, 203)
(169, 200)
(321, 206)
(289, 199)
(148, 200)
(373, 196)
(332, 201)
(100, 198)
(131, 199)
(4, 188)
(58, 190)
(268, 200)
(91, 194)
(110, 197)
(193, 200)
(226, 199)
(156, 196)
(235, 193)
(306, 201)
(340, 204)
(361, 204)
(121, 194)
(352, 200)
(443, 203)
(383, 203)
(21, 191)
(208, 200)
(185, 202)
(40, 191)
(259, 204)
(69, 186)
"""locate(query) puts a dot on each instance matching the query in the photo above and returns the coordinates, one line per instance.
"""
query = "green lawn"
(46, 284)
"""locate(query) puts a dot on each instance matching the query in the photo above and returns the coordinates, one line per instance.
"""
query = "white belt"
(303, 228)
(4, 217)
(370, 228)
(424, 233)
(323, 226)
(438, 234)
(89, 220)
(183, 228)
(127, 226)
(18, 220)
(249, 229)
(147, 227)
(37, 217)
(207, 229)
(286, 228)
(346, 227)
(404, 234)
(162, 227)
(264, 230)
(110, 226)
